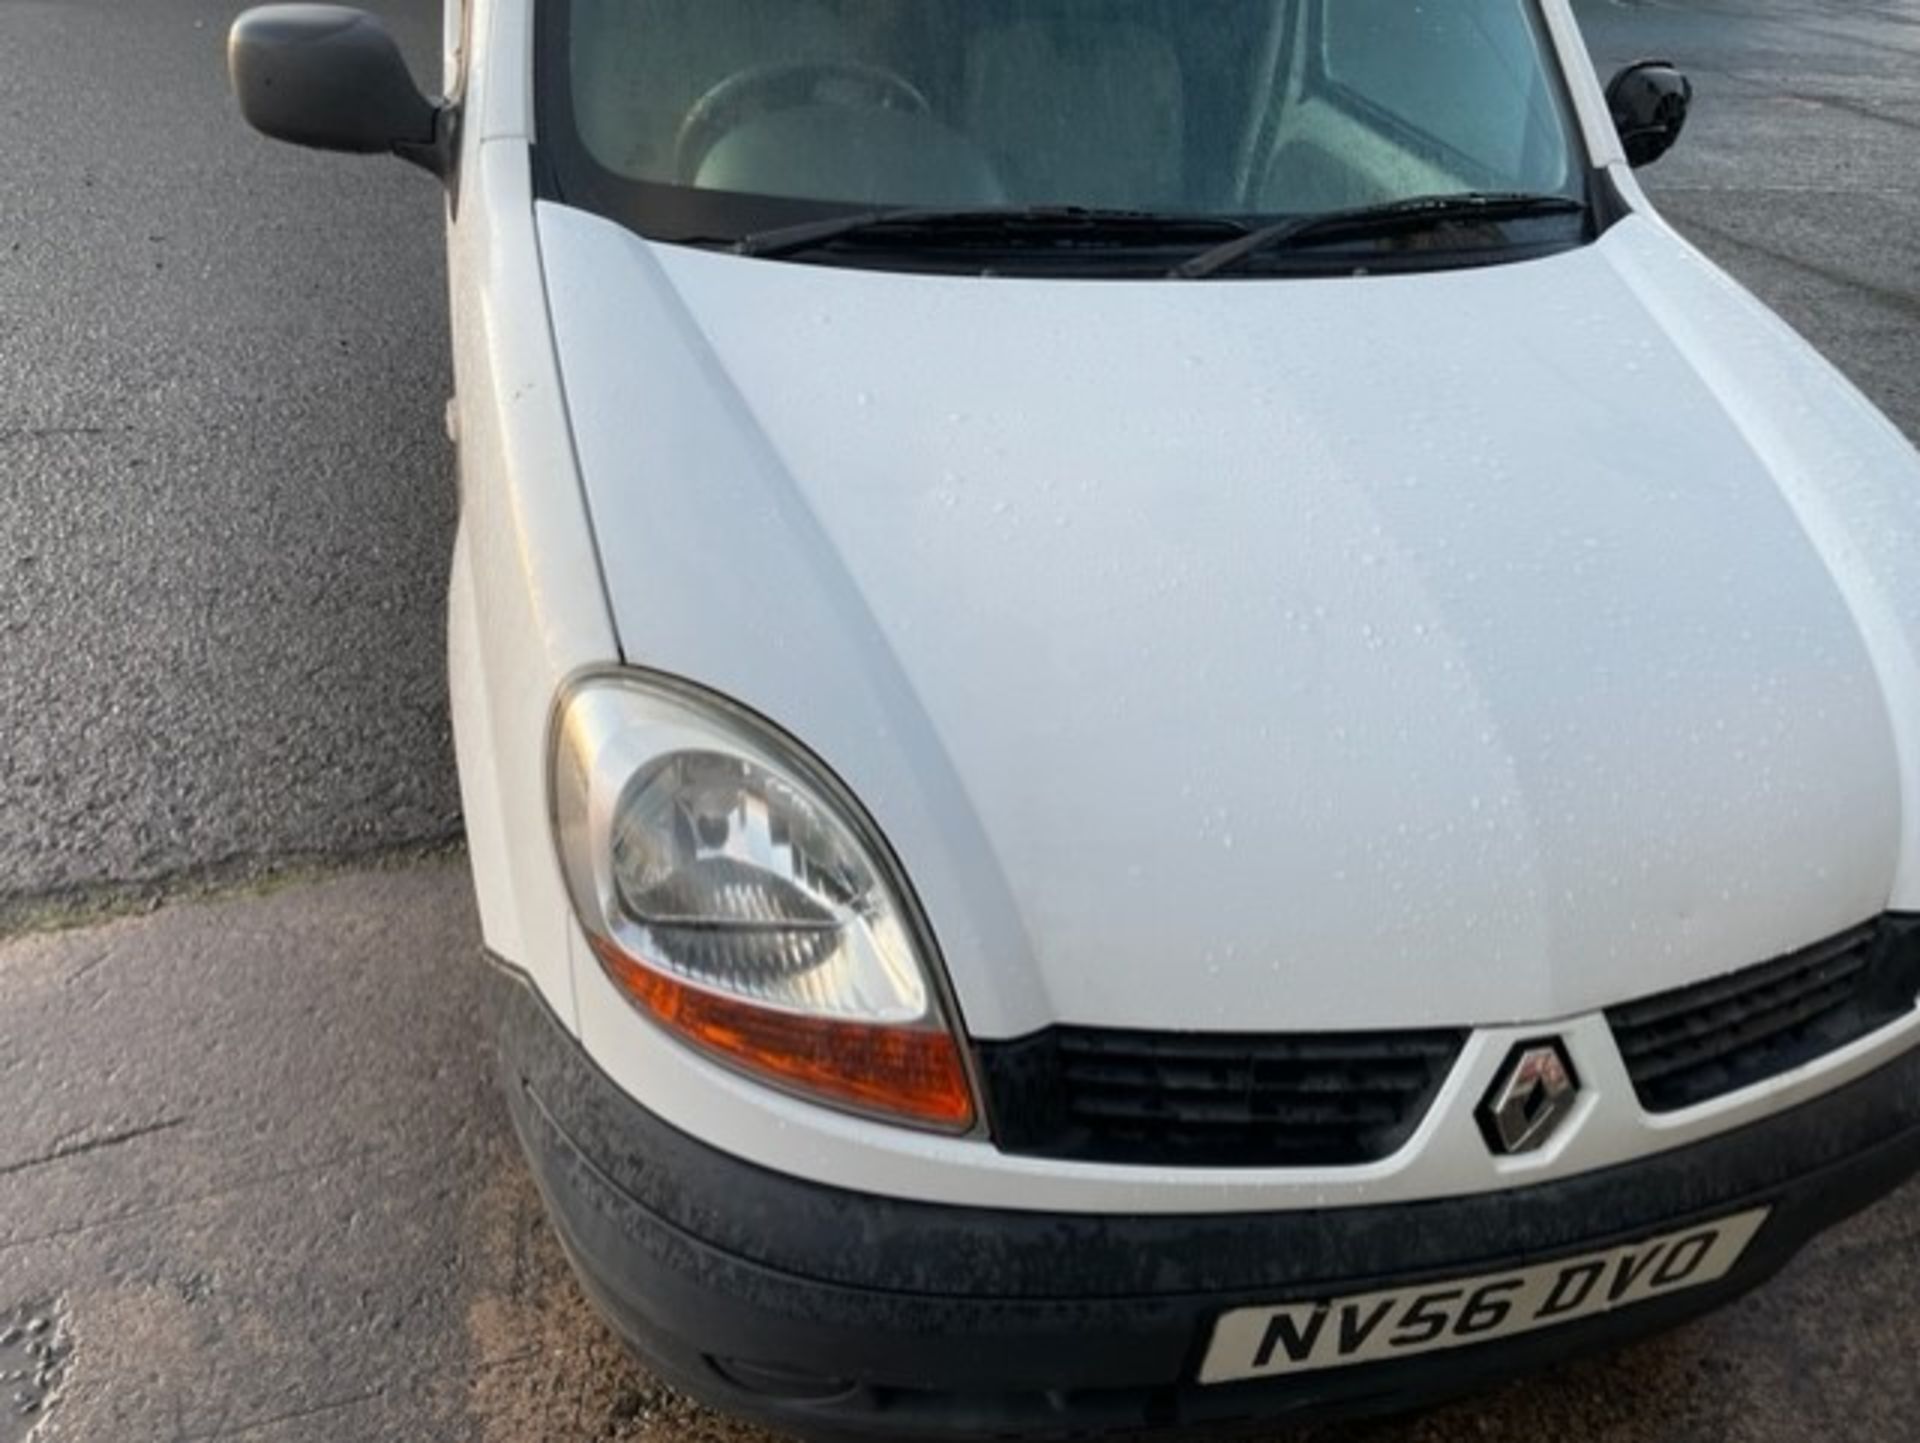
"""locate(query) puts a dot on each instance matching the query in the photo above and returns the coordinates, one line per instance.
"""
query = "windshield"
(711, 120)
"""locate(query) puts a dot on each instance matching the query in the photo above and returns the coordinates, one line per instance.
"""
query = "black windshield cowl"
(1401, 217)
(998, 227)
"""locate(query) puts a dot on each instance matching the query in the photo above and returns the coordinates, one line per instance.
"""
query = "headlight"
(738, 896)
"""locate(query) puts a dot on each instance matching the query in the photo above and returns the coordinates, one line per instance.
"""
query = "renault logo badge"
(1535, 1091)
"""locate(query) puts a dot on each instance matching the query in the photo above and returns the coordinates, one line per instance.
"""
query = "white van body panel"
(526, 608)
(1286, 656)
(503, 38)
(1434, 693)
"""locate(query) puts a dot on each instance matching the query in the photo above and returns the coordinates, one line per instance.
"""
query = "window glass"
(707, 118)
(1466, 77)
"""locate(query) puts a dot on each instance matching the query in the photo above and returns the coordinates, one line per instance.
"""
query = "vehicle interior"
(1214, 106)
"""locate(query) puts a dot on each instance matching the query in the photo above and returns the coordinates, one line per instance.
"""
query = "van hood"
(1289, 655)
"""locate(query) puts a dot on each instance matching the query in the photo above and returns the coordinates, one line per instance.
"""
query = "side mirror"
(332, 78)
(1649, 101)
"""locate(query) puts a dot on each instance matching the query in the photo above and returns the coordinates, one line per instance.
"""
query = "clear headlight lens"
(736, 895)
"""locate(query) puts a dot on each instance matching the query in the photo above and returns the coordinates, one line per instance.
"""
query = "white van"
(1164, 718)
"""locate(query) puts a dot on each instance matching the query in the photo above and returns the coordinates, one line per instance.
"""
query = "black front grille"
(1700, 1042)
(1213, 1100)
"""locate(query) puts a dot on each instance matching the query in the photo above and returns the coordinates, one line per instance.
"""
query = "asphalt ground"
(254, 1181)
(226, 500)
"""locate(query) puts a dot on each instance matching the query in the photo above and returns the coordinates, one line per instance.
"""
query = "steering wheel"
(783, 86)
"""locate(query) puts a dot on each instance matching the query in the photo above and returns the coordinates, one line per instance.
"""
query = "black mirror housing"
(332, 78)
(1649, 101)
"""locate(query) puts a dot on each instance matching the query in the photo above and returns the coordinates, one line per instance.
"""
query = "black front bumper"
(834, 1314)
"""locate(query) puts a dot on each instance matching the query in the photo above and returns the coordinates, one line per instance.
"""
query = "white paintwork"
(502, 108)
(526, 608)
(451, 44)
(1306, 655)
(1480, 648)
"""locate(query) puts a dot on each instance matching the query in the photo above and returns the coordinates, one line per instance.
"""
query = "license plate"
(1375, 1327)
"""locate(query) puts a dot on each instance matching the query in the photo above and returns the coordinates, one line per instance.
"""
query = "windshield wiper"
(1392, 218)
(1052, 225)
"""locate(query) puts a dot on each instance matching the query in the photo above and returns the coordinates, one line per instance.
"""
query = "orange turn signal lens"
(910, 1073)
